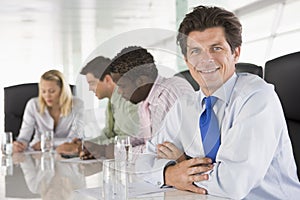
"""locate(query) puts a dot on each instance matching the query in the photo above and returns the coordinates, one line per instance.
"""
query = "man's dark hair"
(135, 59)
(203, 17)
(99, 67)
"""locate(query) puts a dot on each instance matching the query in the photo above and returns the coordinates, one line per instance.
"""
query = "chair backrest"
(15, 99)
(249, 67)
(239, 67)
(187, 75)
(284, 73)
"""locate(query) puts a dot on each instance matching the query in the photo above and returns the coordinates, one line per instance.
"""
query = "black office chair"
(239, 67)
(187, 75)
(15, 99)
(249, 67)
(284, 73)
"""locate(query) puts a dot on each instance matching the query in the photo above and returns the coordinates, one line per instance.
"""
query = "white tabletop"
(48, 176)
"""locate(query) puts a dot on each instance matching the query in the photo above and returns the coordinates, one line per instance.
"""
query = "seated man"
(233, 130)
(121, 115)
(134, 71)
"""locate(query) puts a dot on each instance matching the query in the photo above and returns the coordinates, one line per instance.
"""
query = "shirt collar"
(155, 90)
(224, 92)
(115, 95)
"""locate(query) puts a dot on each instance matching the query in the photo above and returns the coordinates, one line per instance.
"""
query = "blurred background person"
(55, 109)
(136, 74)
(121, 115)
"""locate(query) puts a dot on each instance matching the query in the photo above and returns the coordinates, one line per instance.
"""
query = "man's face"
(127, 87)
(92, 81)
(210, 59)
(101, 89)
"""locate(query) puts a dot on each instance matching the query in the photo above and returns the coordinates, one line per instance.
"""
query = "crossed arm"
(186, 171)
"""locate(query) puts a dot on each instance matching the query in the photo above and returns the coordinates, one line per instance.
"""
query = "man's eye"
(195, 51)
(217, 48)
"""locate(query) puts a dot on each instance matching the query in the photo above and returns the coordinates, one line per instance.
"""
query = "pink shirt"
(161, 98)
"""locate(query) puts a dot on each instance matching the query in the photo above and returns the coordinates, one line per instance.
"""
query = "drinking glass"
(79, 130)
(108, 178)
(6, 143)
(122, 148)
(6, 165)
(47, 162)
(114, 179)
(47, 142)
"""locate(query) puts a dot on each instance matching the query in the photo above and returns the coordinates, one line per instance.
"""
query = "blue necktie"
(209, 129)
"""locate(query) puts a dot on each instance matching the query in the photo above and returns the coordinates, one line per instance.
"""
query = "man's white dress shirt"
(255, 159)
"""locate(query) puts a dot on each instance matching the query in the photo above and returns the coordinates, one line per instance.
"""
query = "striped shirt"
(162, 96)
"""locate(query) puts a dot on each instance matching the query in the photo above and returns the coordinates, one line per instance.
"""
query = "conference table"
(37, 175)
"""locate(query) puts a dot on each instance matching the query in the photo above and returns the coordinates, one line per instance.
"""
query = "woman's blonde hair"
(65, 99)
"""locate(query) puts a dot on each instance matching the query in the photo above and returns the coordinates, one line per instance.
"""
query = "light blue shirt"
(255, 159)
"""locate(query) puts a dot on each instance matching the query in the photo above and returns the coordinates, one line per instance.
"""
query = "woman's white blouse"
(68, 127)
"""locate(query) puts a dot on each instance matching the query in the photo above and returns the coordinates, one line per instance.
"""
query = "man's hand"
(183, 175)
(18, 158)
(92, 151)
(19, 146)
(168, 150)
(85, 155)
(37, 146)
(69, 148)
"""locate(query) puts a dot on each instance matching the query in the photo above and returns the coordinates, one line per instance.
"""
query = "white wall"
(51, 34)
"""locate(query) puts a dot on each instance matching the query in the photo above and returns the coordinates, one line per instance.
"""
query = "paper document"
(142, 188)
(78, 160)
(135, 189)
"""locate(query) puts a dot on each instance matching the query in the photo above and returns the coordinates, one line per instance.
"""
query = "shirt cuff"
(157, 175)
(170, 163)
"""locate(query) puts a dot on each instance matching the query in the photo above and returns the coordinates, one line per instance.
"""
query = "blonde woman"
(55, 109)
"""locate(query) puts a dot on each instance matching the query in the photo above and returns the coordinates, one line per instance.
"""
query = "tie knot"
(210, 101)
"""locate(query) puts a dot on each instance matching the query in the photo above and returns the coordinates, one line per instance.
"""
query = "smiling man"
(232, 131)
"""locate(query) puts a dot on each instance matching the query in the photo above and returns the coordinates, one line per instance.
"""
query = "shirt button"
(158, 183)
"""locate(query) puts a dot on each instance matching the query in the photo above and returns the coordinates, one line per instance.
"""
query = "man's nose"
(206, 55)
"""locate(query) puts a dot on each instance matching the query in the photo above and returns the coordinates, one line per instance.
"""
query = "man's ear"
(187, 62)
(107, 78)
(115, 76)
(185, 59)
(237, 53)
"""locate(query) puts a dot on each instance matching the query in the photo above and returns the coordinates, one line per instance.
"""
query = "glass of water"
(115, 178)
(122, 148)
(47, 141)
(6, 143)
(47, 162)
